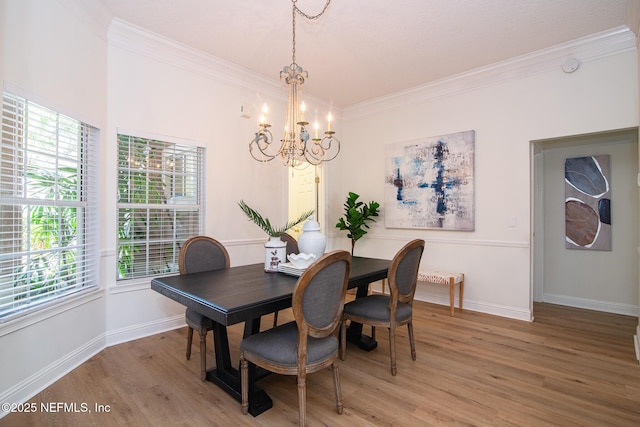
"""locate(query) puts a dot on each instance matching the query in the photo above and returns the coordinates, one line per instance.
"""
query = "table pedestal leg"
(354, 332)
(228, 378)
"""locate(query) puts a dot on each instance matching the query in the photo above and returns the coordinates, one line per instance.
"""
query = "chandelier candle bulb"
(315, 125)
(329, 122)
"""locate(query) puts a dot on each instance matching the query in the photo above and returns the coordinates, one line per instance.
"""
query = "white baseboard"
(42, 379)
(146, 329)
(590, 304)
(481, 307)
(430, 293)
(636, 342)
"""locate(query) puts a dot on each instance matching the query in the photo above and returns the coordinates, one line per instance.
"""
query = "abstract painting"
(587, 203)
(429, 183)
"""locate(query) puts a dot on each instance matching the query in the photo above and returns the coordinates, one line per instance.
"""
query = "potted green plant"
(275, 248)
(356, 215)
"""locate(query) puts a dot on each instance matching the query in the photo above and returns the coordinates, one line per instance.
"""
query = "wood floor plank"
(570, 367)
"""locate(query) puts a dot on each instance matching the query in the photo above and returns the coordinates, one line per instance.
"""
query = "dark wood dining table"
(245, 294)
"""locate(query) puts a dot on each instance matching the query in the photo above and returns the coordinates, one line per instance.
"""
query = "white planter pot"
(275, 253)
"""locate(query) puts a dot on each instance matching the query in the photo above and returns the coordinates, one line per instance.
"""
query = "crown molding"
(584, 49)
(91, 12)
(151, 45)
(143, 42)
(632, 18)
(140, 41)
(121, 34)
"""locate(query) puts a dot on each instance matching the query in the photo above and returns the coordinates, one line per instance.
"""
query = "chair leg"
(336, 382)
(412, 342)
(373, 333)
(203, 355)
(189, 342)
(392, 349)
(275, 319)
(343, 341)
(302, 401)
(244, 383)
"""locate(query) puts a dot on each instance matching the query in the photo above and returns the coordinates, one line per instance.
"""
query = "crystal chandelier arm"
(260, 146)
(322, 150)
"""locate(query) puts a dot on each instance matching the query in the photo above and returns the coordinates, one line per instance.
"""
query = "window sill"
(133, 285)
(47, 310)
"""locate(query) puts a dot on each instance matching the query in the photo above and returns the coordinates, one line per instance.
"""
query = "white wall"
(507, 114)
(71, 56)
(634, 8)
(158, 87)
(48, 53)
(169, 91)
(599, 280)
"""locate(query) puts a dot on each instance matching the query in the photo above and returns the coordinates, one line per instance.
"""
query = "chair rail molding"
(441, 240)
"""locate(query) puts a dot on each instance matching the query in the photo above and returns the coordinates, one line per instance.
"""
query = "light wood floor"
(570, 367)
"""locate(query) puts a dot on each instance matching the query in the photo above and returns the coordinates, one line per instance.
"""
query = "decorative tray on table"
(297, 264)
(288, 268)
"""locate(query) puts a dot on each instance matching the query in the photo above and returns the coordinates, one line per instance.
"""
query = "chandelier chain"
(309, 17)
(293, 41)
(297, 148)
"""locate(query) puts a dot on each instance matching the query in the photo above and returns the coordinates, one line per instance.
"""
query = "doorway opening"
(603, 280)
(304, 194)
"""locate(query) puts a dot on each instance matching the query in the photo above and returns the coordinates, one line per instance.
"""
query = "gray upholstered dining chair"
(310, 342)
(201, 253)
(292, 243)
(393, 310)
(292, 248)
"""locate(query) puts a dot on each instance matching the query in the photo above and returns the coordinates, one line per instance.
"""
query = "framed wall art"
(429, 183)
(587, 203)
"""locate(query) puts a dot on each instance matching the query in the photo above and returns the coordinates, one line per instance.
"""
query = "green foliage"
(53, 226)
(143, 229)
(265, 224)
(356, 215)
(50, 228)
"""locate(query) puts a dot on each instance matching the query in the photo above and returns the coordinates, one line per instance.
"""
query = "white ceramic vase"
(312, 241)
(275, 253)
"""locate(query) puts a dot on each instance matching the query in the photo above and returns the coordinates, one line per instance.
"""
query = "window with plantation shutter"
(48, 206)
(160, 193)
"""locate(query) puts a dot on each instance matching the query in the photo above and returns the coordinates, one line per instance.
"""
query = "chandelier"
(295, 148)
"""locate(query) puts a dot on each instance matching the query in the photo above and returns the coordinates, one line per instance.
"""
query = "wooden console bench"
(444, 278)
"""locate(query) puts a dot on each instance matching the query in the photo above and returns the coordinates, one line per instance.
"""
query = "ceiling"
(364, 49)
